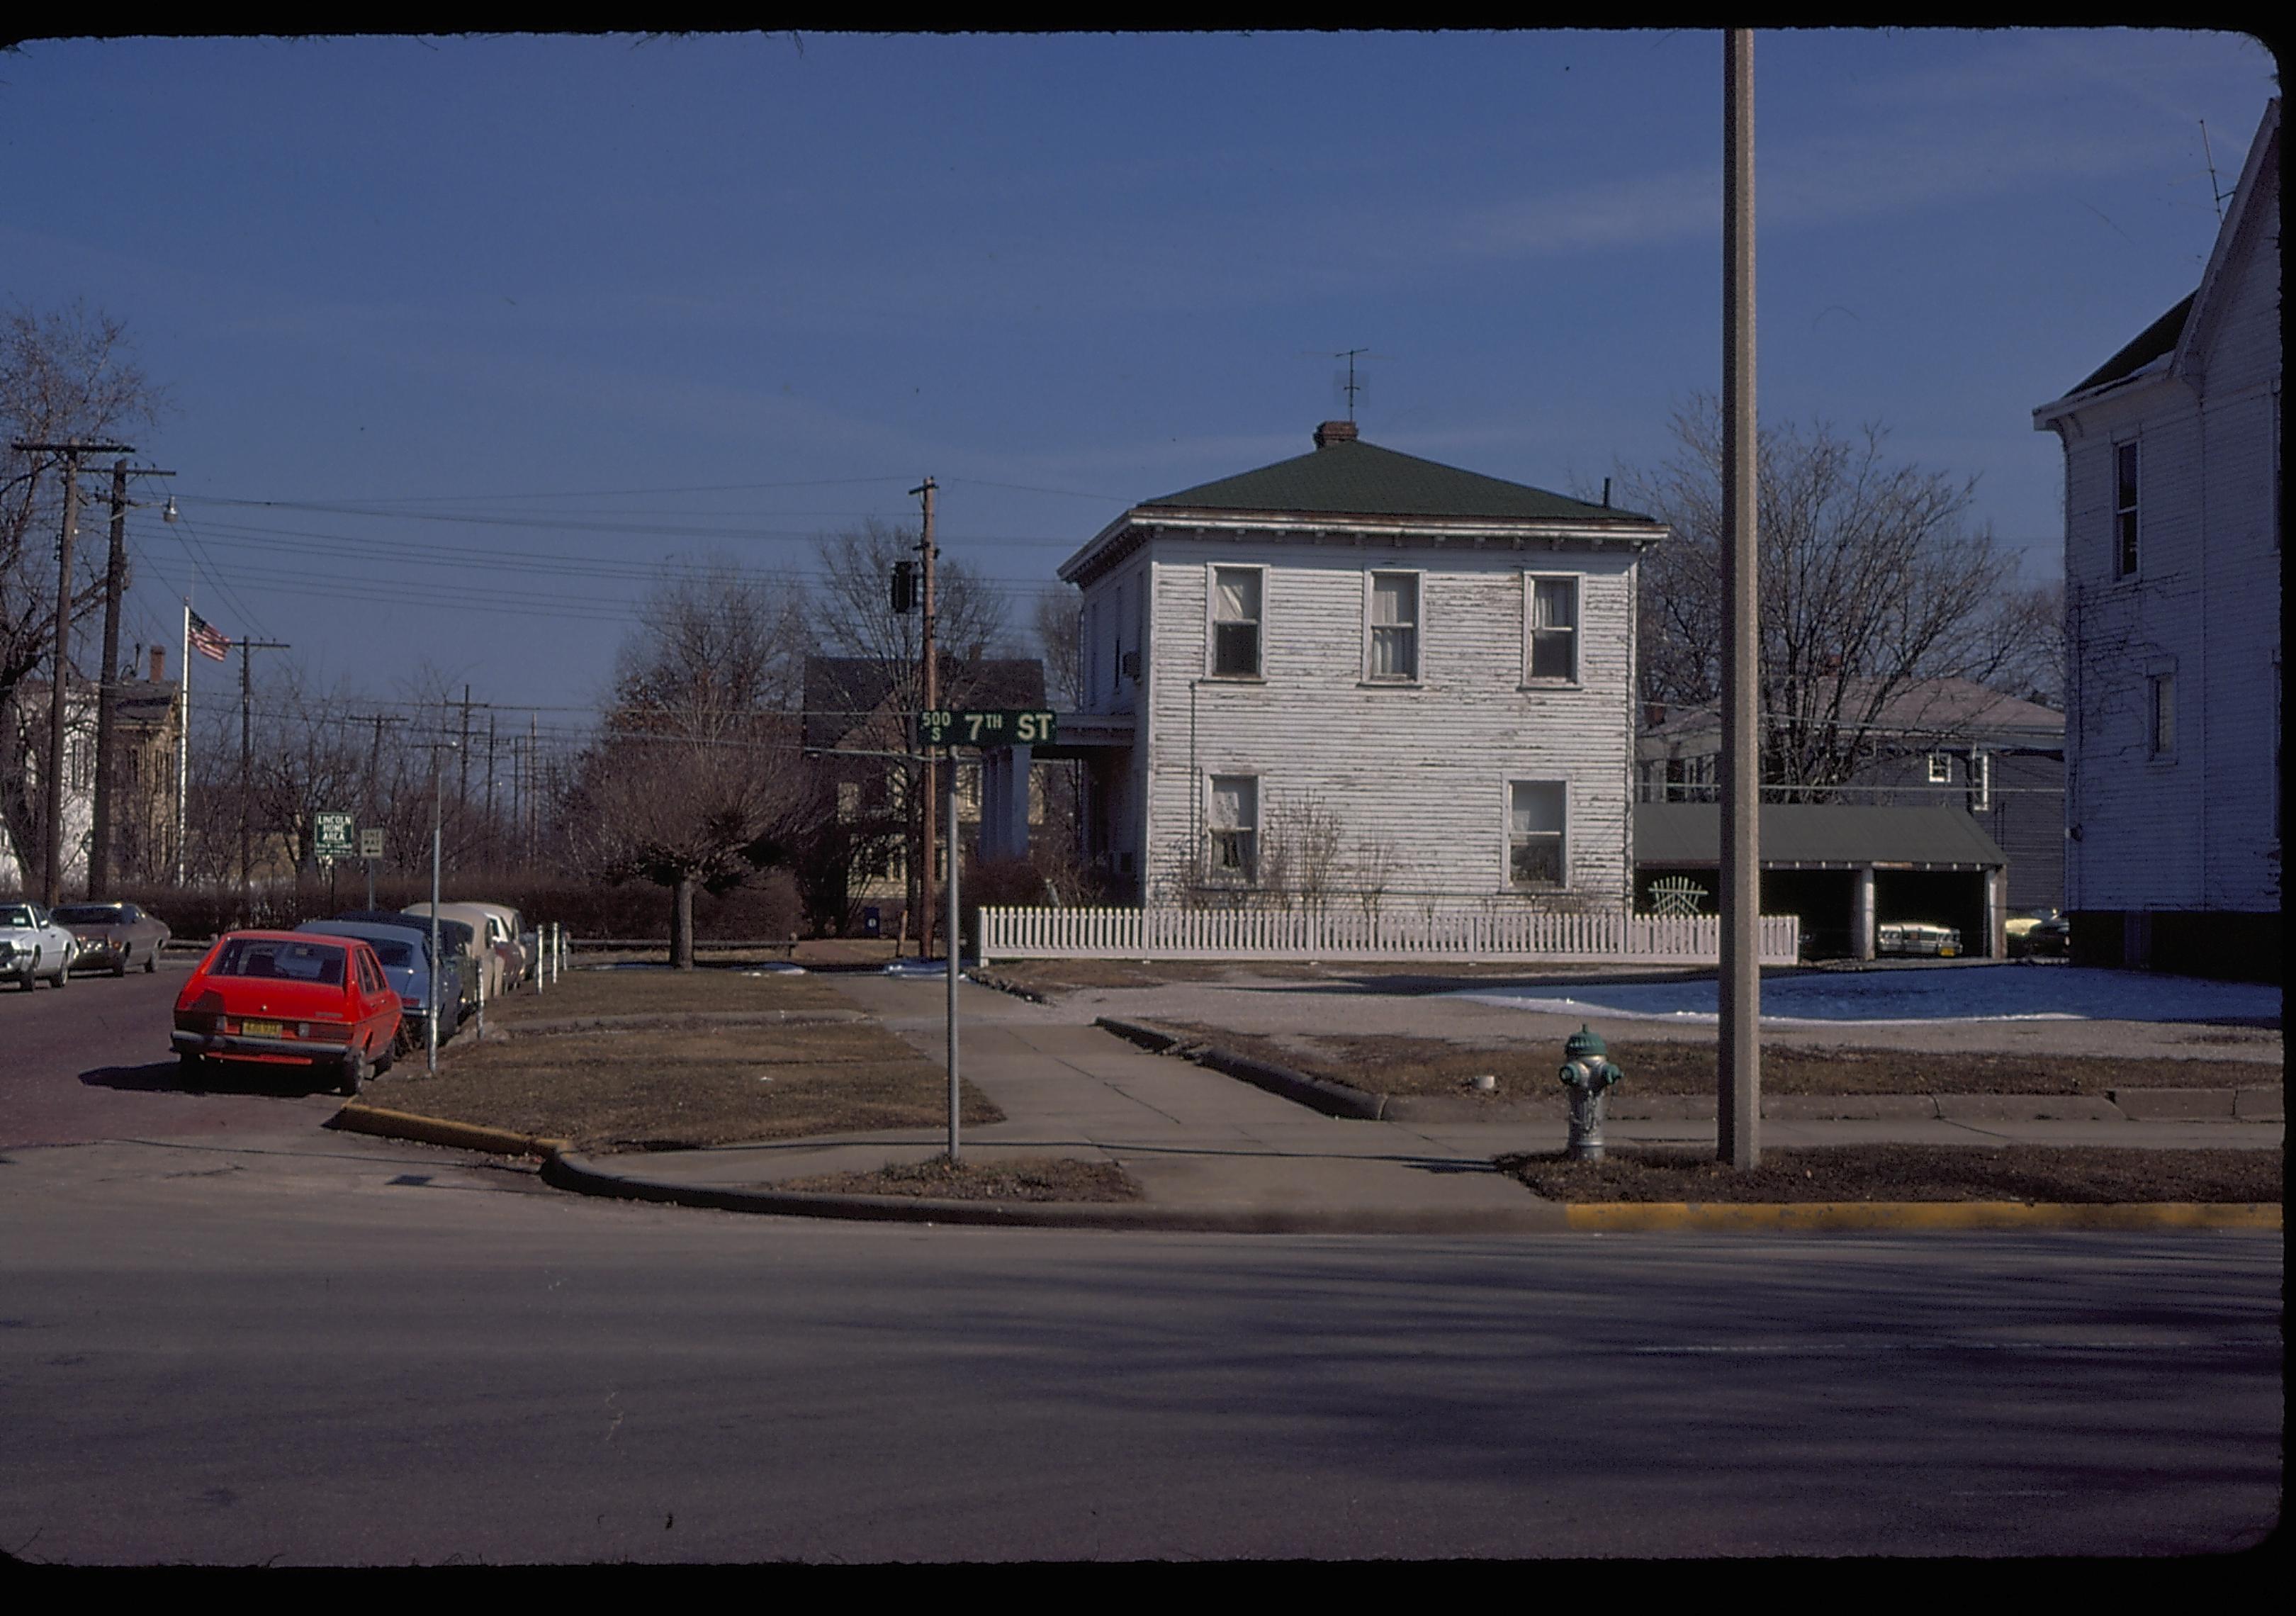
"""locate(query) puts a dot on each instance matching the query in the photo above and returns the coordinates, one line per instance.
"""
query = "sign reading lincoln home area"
(331, 834)
(996, 726)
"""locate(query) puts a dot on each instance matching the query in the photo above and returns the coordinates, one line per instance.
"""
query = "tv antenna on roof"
(1350, 385)
(2215, 195)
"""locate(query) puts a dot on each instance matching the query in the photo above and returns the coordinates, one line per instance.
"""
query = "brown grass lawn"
(974, 1179)
(650, 992)
(1405, 1065)
(1913, 1172)
(667, 1085)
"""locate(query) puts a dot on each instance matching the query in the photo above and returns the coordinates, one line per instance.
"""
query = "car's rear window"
(280, 957)
(393, 953)
(90, 914)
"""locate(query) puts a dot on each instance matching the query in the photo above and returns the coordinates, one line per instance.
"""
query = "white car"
(33, 945)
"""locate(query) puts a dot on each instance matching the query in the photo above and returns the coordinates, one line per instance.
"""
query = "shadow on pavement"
(216, 1078)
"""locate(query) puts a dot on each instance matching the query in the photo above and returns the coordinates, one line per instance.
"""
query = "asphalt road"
(321, 1348)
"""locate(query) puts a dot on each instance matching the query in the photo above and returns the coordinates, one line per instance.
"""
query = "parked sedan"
(288, 998)
(456, 941)
(115, 936)
(32, 946)
(405, 956)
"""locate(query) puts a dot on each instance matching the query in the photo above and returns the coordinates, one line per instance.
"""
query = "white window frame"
(1941, 769)
(1981, 782)
(1216, 872)
(1507, 791)
(1418, 625)
(1212, 571)
(2128, 522)
(1576, 676)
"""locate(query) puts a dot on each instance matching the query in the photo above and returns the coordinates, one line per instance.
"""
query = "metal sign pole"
(955, 947)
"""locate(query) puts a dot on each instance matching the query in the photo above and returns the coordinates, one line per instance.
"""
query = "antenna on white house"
(1350, 385)
(2215, 195)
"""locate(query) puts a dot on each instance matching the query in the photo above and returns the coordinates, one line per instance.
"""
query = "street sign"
(371, 843)
(994, 726)
(331, 835)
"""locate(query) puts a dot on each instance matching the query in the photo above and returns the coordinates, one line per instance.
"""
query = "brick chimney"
(1335, 432)
(158, 664)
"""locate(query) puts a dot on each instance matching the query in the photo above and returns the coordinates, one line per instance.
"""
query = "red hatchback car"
(288, 998)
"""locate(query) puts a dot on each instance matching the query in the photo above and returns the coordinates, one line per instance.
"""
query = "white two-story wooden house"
(1361, 674)
(2172, 609)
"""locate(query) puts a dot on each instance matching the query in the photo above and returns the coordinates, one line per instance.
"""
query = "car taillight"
(335, 1032)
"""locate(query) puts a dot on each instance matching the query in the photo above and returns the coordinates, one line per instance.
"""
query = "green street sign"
(994, 726)
(331, 835)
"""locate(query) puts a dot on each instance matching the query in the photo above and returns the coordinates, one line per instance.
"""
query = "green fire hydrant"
(1588, 1072)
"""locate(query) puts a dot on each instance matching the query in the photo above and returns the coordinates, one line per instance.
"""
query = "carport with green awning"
(1847, 871)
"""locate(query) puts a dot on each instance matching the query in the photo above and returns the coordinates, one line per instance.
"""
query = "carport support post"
(955, 947)
(1861, 913)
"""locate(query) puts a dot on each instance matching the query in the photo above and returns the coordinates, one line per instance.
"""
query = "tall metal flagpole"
(184, 747)
(1738, 1067)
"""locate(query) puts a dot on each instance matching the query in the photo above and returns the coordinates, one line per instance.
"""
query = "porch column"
(1005, 781)
(1861, 913)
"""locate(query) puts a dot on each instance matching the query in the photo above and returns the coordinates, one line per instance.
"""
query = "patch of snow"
(1972, 993)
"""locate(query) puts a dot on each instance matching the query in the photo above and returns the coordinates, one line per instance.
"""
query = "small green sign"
(994, 727)
(331, 834)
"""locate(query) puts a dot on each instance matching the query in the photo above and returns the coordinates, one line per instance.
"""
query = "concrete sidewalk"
(1212, 1152)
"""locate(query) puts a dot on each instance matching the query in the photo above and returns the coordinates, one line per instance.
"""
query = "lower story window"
(1233, 853)
(1537, 810)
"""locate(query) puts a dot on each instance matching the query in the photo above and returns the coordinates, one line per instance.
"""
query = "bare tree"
(1057, 616)
(65, 374)
(690, 782)
(1871, 581)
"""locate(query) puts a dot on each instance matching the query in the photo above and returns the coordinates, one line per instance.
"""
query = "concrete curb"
(1831, 1217)
(358, 1117)
(567, 1171)
(1317, 1094)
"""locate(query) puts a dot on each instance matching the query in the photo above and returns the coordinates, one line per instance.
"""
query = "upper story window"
(1393, 652)
(2124, 509)
(2160, 740)
(1941, 769)
(1553, 630)
(1235, 622)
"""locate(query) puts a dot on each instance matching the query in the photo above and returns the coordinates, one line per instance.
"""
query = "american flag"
(209, 639)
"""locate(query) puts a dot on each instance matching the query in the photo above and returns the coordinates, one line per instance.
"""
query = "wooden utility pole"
(247, 648)
(1739, 1064)
(494, 849)
(462, 787)
(924, 865)
(51, 864)
(107, 690)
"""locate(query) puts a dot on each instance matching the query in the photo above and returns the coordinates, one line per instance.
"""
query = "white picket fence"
(1457, 932)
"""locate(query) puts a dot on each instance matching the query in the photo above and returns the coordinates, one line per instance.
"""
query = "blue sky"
(641, 301)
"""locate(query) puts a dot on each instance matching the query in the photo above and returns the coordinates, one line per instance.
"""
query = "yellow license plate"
(261, 1030)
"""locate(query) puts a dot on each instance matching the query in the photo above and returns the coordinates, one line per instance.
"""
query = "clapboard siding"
(2197, 830)
(1420, 772)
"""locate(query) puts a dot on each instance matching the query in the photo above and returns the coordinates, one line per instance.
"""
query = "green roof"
(1689, 835)
(1351, 478)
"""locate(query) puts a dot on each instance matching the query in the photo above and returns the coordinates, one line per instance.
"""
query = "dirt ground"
(976, 1180)
(1405, 1065)
(1913, 1172)
(683, 1081)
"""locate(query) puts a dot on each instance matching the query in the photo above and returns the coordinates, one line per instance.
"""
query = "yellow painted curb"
(1819, 1216)
(361, 1119)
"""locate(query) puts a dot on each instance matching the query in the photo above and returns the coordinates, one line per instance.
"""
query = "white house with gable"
(1357, 674)
(2172, 606)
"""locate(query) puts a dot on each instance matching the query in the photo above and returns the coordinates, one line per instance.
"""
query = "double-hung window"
(2124, 509)
(1236, 594)
(1538, 811)
(1552, 605)
(1392, 655)
(1232, 853)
